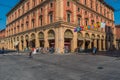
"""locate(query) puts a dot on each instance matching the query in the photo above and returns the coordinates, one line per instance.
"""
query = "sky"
(7, 5)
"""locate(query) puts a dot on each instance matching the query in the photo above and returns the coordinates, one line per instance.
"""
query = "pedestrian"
(30, 53)
(3, 50)
(94, 50)
(17, 48)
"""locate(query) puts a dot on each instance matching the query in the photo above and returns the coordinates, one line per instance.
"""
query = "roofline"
(21, 1)
(2, 30)
(117, 25)
(102, 1)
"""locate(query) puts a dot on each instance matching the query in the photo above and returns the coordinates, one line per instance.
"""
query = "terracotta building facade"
(118, 36)
(51, 23)
(2, 38)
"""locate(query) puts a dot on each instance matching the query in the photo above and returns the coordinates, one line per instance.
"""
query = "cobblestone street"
(59, 67)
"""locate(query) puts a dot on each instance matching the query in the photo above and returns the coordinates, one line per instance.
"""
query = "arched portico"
(93, 41)
(51, 38)
(32, 40)
(87, 41)
(41, 39)
(68, 36)
(27, 41)
(80, 39)
(98, 42)
(22, 42)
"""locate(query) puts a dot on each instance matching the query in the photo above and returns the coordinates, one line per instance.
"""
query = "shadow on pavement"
(115, 53)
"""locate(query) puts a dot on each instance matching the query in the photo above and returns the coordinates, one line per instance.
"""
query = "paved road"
(59, 67)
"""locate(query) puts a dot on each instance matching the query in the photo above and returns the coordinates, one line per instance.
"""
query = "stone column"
(83, 45)
(74, 42)
(95, 43)
(20, 45)
(24, 43)
(36, 41)
(46, 39)
(90, 45)
(100, 46)
(56, 41)
(61, 40)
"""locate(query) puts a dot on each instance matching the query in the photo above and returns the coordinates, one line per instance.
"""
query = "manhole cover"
(100, 67)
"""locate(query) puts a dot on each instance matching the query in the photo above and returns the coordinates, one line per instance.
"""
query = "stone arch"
(27, 40)
(17, 38)
(22, 42)
(32, 36)
(41, 39)
(26, 37)
(93, 36)
(40, 35)
(98, 36)
(51, 34)
(80, 35)
(93, 41)
(22, 38)
(51, 38)
(79, 40)
(87, 35)
(98, 41)
(33, 40)
(68, 34)
(102, 37)
(87, 41)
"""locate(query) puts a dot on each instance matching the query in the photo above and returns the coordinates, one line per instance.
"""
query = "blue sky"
(6, 5)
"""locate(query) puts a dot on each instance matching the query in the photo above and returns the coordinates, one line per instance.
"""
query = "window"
(18, 28)
(14, 30)
(23, 9)
(33, 2)
(96, 7)
(51, 5)
(27, 24)
(41, 20)
(91, 4)
(85, 2)
(51, 17)
(85, 12)
(68, 17)
(92, 22)
(68, 3)
(28, 6)
(18, 12)
(78, 20)
(86, 21)
(33, 23)
(97, 17)
(15, 15)
(78, 9)
(41, 9)
(22, 27)
(104, 12)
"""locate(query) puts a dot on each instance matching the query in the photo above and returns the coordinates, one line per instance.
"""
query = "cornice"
(91, 10)
(44, 2)
(29, 11)
(16, 6)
